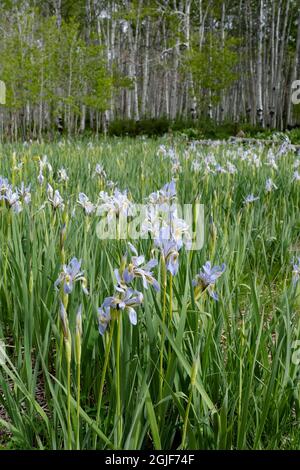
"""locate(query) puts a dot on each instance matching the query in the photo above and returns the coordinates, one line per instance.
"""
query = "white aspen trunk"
(221, 116)
(112, 59)
(146, 69)
(57, 7)
(191, 101)
(87, 38)
(252, 93)
(133, 44)
(260, 109)
(166, 74)
(174, 85)
(272, 78)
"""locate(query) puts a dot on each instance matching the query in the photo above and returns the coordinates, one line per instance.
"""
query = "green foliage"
(131, 128)
(213, 67)
(296, 112)
(245, 394)
(52, 65)
(192, 129)
(294, 135)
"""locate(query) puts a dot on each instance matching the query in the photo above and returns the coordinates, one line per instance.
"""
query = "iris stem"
(78, 408)
(186, 420)
(170, 310)
(161, 358)
(171, 298)
(192, 384)
(69, 403)
(107, 352)
(118, 385)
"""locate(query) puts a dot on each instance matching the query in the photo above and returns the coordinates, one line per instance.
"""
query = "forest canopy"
(81, 65)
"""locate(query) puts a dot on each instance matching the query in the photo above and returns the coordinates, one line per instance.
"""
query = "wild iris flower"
(250, 198)
(40, 178)
(165, 196)
(272, 162)
(86, 204)
(123, 299)
(70, 274)
(55, 198)
(196, 166)
(176, 167)
(64, 321)
(162, 221)
(136, 268)
(169, 250)
(206, 279)
(270, 185)
(104, 318)
(220, 169)
(296, 271)
(62, 176)
(24, 193)
(44, 164)
(231, 168)
(115, 205)
(12, 200)
(4, 185)
(99, 171)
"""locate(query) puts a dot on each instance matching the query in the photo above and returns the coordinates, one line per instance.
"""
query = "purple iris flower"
(86, 204)
(12, 200)
(24, 193)
(55, 198)
(170, 189)
(4, 185)
(71, 273)
(103, 319)
(250, 198)
(164, 197)
(123, 299)
(137, 268)
(169, 249)
(206, 279)
(64, 321)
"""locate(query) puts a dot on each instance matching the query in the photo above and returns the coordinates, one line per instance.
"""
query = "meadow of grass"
(193, 373)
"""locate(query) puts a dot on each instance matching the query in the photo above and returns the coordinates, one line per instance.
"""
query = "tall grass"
(191, 374)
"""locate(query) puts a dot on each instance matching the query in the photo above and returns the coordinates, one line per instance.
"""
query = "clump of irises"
(70, 274)
(125, 298)
(44, 166)
(14, 198)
